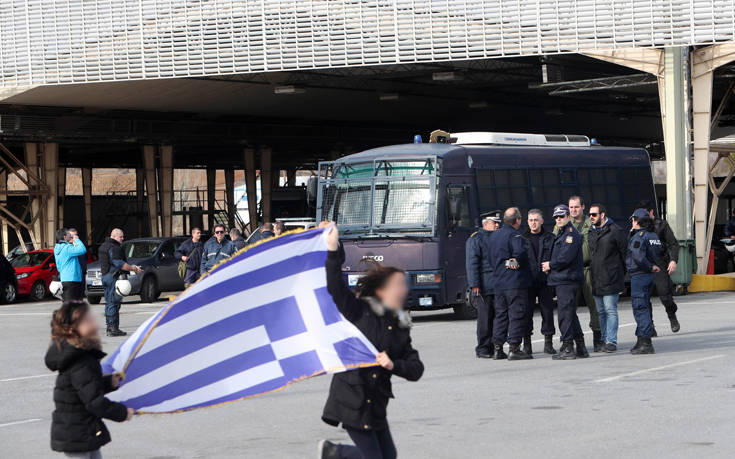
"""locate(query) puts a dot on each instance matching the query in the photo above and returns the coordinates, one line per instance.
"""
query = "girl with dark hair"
(75, 352)
(358, 399)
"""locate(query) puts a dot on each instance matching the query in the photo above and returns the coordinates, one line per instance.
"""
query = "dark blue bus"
(414, 206)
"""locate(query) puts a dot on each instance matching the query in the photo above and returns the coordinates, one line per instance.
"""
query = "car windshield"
(29, 259)
(140, 249)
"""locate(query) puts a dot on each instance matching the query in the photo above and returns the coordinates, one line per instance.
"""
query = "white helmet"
(730, 245)
(123, 287)
(56, 288)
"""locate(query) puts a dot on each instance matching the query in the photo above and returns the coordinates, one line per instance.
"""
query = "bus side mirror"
(311, 190)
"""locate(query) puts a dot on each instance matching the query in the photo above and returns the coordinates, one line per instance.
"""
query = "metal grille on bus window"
(402, 203)
(348, 203)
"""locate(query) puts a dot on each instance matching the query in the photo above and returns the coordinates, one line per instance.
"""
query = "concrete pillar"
(61, 180)
(266, 182)
(291, 176)
(675, 141)
(211, 184)
(166, 191)
(87, 193)
(51, 178)
(230, 197)
(251, 187)
(4, 202)
(140, 195)
(31, 157)
(149, 164)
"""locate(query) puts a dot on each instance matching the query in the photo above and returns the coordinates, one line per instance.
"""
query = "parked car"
(8, 282)
(160, 269)
(34, 271)
(18, 250)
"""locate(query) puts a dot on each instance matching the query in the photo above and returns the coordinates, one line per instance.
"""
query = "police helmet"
(123, 287)
(56, 288)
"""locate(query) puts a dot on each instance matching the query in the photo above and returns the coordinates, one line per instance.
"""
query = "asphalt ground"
(678, 403)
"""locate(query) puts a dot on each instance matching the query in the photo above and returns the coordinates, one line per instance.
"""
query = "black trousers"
(665, 290)
(72, 291)
(485, 317)
(566, 298)
(369, 444)
(545, 297)
(510, 315)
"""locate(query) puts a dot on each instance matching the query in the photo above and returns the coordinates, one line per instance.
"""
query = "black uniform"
(79, 396)
(567, 276)
(480, 274)
(112, 258)
(662, 280)
(539, 251)
(358, 399)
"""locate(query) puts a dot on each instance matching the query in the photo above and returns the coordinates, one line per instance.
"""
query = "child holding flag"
(358, 399)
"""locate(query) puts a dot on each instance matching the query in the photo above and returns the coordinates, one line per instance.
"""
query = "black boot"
(527, 348)
(566, 351)
(112, 330)
(646, 347)
(327, 450)
(515, 353)
(581, 348)
(637, 346)
(549, 345)
(675, 327)
(597, 343)
(499, 354)
(654, 334)
(483, 353)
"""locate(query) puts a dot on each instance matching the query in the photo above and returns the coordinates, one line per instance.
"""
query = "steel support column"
(291, 176)
(166, 191)
(87, 193)
(61, 181)
(31, 161)
(251, 188)
(211, 184)
(4, 202)
(140, 197)
(266, 182)
(50, 178)
(149, 164)
(230, 197)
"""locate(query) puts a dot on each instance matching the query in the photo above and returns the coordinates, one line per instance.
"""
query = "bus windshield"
(383, 197)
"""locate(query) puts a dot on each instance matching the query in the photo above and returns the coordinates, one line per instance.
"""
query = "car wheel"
(94, 299)
(38, 291)
(9, 292)
(149, 290)
(466, 310)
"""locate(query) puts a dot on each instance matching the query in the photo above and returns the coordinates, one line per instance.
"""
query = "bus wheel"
(465, 310)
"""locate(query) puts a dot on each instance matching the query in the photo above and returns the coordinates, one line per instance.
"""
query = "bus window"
(458, 207)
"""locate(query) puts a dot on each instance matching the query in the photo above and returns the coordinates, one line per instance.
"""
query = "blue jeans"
(640, 293)
(607, 308)
(112, 301)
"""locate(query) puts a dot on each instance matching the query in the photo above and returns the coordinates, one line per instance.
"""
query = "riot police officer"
(479, 279)
(539, 244)
(565, 272)
(511, 279)
(641, 261)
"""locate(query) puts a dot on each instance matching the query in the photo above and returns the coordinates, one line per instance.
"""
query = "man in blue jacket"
(479, 279)
(565, 271)
(642, 258)
(66, 252)
(216, 249)
(540, 242)
(190, 253)
(511, 279)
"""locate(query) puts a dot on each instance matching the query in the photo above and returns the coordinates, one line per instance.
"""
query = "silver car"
(160, 269)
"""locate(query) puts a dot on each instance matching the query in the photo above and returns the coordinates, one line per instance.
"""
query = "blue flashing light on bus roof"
(417, 138)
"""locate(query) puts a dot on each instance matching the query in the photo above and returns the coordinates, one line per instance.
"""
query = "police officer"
(565, 272)
(511, 279)
(642, 262)
(668, 261)
(539, 244)
(479, 279)
(112, 264)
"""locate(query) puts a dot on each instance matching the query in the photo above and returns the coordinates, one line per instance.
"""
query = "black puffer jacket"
(359, 398)
(607, 251)
(79, 396)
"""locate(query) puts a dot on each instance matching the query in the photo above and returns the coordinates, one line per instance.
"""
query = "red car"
(34, 271)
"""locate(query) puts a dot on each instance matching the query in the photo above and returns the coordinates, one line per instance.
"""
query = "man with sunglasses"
(216, 249)
(565, 272)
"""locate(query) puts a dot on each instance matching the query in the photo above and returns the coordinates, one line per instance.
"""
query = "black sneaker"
(582, 352)
(527, 348)
(515, 353)
(566, 352)
(327, 450)
(483, 354)
(675, 327)
(499, 354)
(610, 348)
(549, 345)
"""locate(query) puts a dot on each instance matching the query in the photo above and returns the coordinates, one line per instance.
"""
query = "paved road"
(677, 403)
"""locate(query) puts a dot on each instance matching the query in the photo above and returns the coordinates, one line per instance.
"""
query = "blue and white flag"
(258, 322)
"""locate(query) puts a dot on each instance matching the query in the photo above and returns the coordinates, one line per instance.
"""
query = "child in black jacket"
(75, 352)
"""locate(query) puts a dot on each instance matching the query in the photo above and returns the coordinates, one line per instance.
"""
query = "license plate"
(426, 301)
(96, 283)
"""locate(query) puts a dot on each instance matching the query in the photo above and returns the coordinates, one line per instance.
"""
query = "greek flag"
(259, 321)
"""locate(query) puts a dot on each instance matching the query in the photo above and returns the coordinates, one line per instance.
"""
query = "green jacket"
(584, 229)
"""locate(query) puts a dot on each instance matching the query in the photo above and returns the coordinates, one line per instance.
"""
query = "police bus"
(413, 206)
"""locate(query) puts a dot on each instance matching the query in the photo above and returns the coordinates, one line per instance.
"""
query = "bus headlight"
(428, 278)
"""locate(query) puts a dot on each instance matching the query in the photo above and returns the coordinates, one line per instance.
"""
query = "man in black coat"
(608, 245)
(190, 252)
(668, 261)
(540, 242)
(479, 278)
(113, 263)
